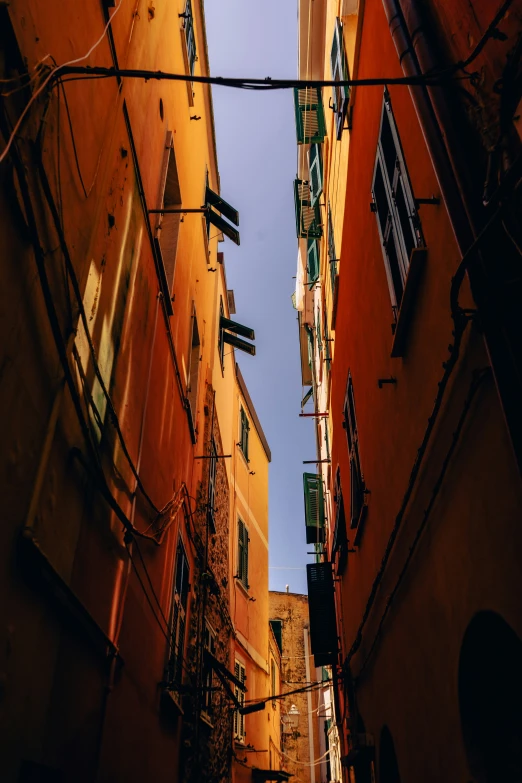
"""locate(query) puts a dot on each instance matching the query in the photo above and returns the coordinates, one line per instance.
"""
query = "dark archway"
(388, 767)
(490, 699)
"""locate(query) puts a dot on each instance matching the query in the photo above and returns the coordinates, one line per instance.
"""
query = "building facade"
(300, 721)
(120, 395)
(412, 603)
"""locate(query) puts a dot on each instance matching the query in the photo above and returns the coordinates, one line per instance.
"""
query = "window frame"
(209, 644)
(315, 173)
(357, 484)
(243, 541)
(190, 36)
(178, 620)
(212, 474)
(239, 719)
(397, 246)
(340, 72)
(193, 373)
(244, 432)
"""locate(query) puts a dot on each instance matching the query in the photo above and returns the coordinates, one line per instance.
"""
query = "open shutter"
(307, 217)
(321, 603)
(309, 115)
(316, 173)
(229, 329)
(314, 508)
(222, 206)
(312, 260)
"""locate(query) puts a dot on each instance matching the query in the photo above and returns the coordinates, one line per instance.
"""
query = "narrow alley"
(260, 383)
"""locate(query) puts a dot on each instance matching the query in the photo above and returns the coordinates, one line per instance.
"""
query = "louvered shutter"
(188, 24)
(323, 625)
(309, 115)
(314, 508)
(307, 217)
(312, 260)
(339, 65)
(316, 173)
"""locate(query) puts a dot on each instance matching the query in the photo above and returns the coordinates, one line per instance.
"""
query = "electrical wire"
(306, 763)
(50, 77)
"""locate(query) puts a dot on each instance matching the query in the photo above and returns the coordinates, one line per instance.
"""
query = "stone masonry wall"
(292, 609)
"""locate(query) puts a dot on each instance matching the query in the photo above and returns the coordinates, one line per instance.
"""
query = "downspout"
(417, 56)
(309, 704)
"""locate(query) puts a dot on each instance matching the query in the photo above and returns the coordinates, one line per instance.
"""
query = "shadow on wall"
(490, 699)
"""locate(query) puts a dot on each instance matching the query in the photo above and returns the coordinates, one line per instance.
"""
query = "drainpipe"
(446, 147)
(309, 703)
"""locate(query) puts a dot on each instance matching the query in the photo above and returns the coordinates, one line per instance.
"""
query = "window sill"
(205, 718)
(402, 326)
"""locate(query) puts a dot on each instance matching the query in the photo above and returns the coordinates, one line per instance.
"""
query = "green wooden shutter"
(307, 217)
(240, 540)
(312, 264)
(309, 115)
(314, 508)
(245, 557)
(316, 173)
(339, 65)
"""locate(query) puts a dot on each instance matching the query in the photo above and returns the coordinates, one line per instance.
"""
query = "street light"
(291, 721)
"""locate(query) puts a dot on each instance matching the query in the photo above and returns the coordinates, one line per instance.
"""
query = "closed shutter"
(309, 115)
(339, 65)
(316, 173)
(307, 217)
(314, 508)
(190, 39)
(312, 260)
(242, 553)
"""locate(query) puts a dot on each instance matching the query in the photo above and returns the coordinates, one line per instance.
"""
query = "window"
(277, 628)
(273, 680)
(239, 719)
(209, 644)
(190, 39)
(318, 331)
(315, 164)
(309, 115)
(339, 64)
(178, 620)
(242, 553)
(244, 430)
(332, 258)
(307, 216)
(312, 261)
(167, 224)
(394, 206)
(212, 466)
(356, 478)
(327, 340)
(314, 507)
(340, 541)
(221, 342)
(193, 368)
